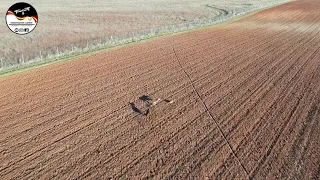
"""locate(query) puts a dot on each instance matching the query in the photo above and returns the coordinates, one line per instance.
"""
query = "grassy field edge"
(7, 71)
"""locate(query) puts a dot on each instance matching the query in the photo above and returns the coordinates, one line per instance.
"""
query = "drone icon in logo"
(22, 10)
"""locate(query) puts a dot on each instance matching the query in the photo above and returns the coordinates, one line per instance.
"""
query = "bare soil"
(259, 79)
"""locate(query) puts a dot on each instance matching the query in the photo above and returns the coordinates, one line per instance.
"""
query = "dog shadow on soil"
(135, 109)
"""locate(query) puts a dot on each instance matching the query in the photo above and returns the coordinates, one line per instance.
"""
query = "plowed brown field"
(258, 79)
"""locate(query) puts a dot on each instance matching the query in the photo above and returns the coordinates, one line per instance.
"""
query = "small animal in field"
(148, 103)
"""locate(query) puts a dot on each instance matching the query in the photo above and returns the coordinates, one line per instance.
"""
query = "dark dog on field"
(148, 103)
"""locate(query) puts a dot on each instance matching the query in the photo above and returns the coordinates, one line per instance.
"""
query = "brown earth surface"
(259, 79)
